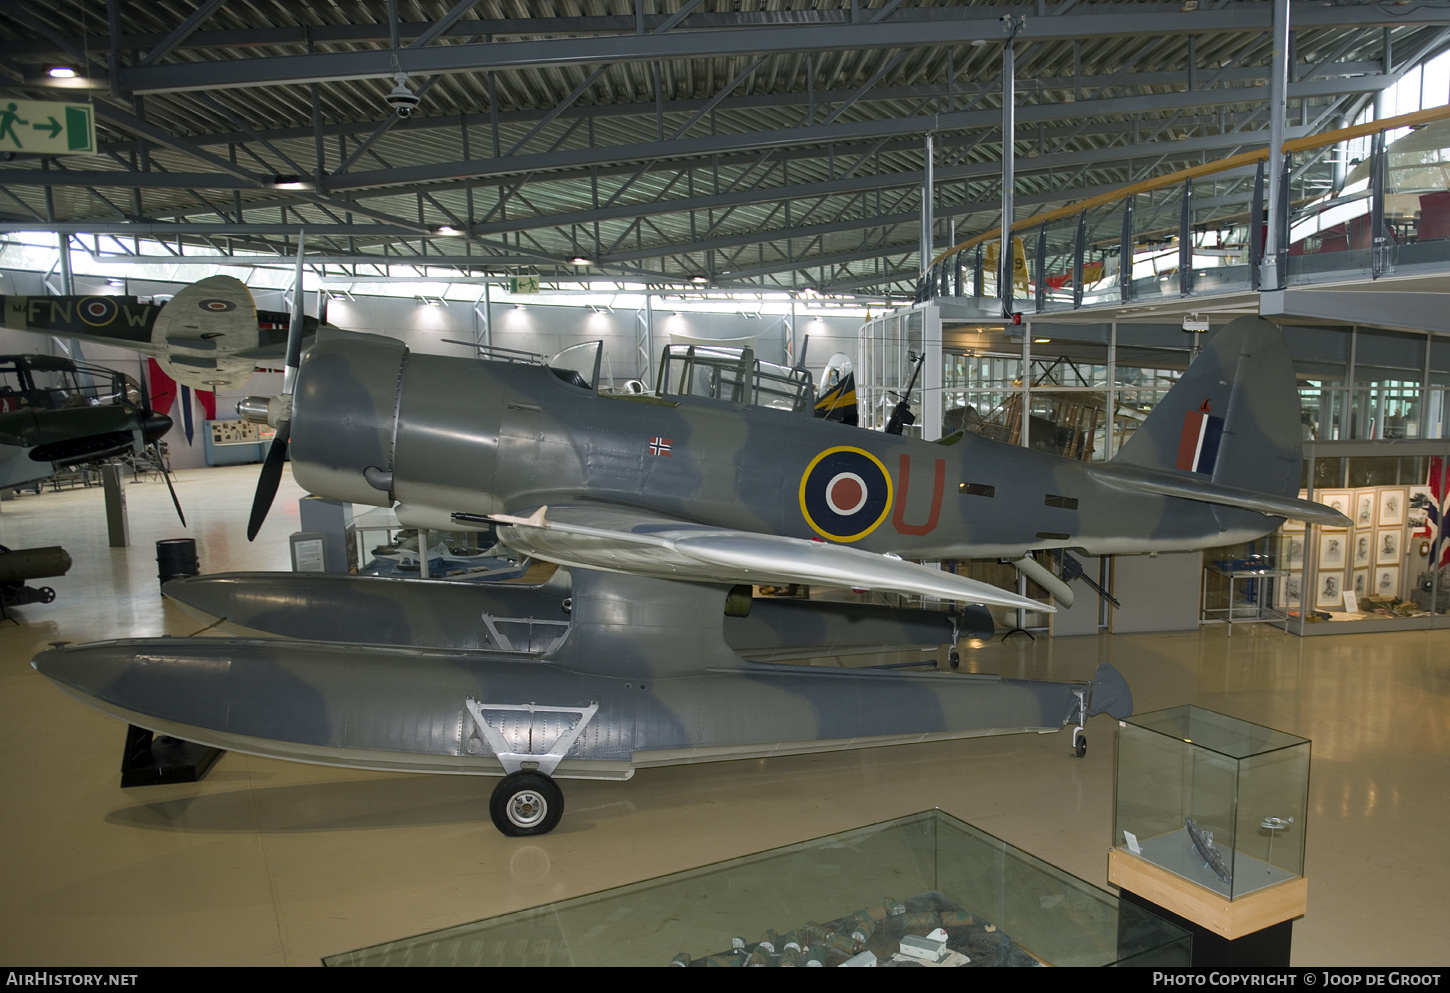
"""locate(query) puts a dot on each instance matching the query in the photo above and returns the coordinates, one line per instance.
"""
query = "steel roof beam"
(956, 25)
(826, 134)
(730, 104)
(372, 33)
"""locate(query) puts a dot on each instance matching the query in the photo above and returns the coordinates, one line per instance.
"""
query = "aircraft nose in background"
(155, 425)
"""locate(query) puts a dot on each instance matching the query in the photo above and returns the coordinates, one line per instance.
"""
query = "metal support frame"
(546, 761)
(927, 220)
(1005, 255)
(1125, 253)
(1185, 241)
(1275, 248)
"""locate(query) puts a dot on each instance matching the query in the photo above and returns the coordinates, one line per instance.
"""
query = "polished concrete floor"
(272, 863)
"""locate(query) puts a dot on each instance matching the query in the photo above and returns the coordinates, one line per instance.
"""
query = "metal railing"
(1202, 230)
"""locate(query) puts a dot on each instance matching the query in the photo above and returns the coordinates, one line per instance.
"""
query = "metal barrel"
(176, 559)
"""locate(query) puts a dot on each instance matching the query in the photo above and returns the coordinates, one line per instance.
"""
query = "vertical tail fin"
(1233, 417)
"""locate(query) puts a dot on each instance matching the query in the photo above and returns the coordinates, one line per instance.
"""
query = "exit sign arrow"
(47, 127)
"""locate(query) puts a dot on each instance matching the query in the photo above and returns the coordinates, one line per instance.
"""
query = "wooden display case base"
(1255, 929)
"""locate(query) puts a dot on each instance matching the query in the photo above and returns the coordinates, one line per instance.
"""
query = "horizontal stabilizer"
(1204, 490)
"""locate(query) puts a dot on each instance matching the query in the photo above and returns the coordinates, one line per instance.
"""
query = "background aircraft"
(55, 413)
(209, 336)
(665, 508)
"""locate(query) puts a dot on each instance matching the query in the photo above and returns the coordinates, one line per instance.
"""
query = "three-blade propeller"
(277, 455)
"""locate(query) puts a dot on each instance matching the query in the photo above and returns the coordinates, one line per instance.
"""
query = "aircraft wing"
(617, 539)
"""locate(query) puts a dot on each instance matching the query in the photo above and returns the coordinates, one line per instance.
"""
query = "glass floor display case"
(926, 889)
(1209, 819)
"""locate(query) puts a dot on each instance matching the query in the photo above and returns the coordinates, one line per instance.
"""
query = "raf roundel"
(845, 493)
(216, 306)
(97, 311)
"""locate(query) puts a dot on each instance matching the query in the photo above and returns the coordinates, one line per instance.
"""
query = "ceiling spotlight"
(291, 182)
(447, 229)
(581, 260)
(63, 77)
(699, 279)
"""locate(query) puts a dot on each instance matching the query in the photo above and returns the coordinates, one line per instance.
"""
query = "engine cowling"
(345, 417)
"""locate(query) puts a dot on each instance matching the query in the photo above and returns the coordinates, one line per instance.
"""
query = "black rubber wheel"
(954, 657)
(526, 803)
(47, 595)
(1079, 745)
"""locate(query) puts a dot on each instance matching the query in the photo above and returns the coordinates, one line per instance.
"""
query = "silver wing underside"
(643, 543)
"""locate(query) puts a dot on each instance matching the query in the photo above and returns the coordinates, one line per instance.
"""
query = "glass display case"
(1210, 817)
(922, 889)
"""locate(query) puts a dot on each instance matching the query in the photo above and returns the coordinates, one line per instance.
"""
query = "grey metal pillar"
(1022, 433)
(67, 278)
(1012, 24)
(118, 527)
(1112, 392)
(927, 220)
(1272, 278)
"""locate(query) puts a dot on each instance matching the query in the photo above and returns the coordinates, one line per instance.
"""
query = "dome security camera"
(403, 100)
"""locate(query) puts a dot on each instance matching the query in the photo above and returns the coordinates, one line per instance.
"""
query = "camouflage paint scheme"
(526, 438)
(208, 336)
(648, 653)
(659, 505)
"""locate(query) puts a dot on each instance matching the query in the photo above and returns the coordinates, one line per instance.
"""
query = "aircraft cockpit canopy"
(578, 365)
(734, 375)
(46, 382)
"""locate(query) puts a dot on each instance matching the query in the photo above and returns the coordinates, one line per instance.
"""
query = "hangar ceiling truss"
(752, 144)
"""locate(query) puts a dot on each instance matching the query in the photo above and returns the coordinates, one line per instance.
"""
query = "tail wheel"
(1079, 743)
(526, 803)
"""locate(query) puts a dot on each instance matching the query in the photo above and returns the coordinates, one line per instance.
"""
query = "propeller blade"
(269, 480)
(166, 475)
(296, 326)
(276, 455)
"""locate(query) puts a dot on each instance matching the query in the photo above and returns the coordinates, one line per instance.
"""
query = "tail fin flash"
(1232, 419)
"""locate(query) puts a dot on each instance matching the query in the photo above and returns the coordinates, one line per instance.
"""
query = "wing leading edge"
(631, 541)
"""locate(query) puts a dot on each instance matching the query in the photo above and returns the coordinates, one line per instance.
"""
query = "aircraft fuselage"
(483, 437)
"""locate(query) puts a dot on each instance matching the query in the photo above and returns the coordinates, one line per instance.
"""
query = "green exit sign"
(524, 284)
(45, 127)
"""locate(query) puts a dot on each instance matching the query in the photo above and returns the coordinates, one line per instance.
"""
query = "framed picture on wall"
(1361, 581)
(1417, 511)
(1293, 551)
(1291, 592)
(1329, 591)
(1387, 581)
(1336, 500)
(1361, 549)
(1332, 553)
(1365, 507)
(1392, 507)
(1387, 546)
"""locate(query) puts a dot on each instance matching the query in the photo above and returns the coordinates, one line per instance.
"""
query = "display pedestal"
(1254, 929)
(153, 761)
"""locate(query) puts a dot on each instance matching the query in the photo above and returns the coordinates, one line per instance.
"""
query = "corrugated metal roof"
(805, 173)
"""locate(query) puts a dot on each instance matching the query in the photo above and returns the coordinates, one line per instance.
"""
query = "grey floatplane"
(663, 509)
